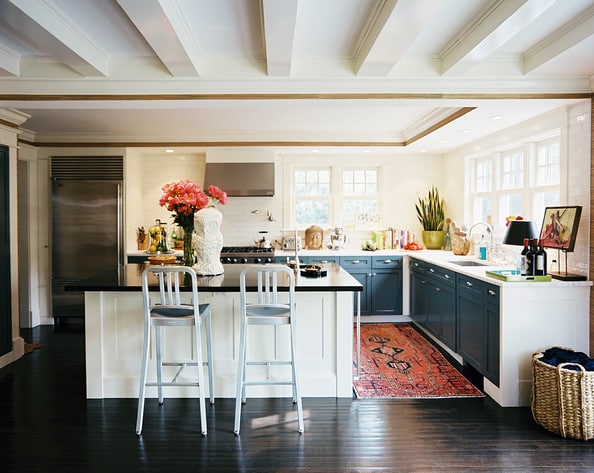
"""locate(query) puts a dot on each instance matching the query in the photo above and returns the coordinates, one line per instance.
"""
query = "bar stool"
(170, 311)
(266, 311)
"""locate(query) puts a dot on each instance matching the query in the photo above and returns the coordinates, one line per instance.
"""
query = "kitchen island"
(114, 334)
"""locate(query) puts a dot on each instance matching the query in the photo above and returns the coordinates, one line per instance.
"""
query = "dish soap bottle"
(481, 251)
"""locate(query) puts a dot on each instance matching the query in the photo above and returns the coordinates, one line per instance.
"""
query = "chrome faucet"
(489, 230)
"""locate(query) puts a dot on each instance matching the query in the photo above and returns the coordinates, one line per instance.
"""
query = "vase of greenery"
(430, 212)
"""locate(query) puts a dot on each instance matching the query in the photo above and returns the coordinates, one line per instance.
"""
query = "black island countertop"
(128, 278)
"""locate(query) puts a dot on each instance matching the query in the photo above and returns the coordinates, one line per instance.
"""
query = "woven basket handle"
(582, 394)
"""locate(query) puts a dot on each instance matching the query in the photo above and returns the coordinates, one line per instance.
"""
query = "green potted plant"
(430, 212)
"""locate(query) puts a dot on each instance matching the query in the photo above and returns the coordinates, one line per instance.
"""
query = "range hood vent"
(241, 179)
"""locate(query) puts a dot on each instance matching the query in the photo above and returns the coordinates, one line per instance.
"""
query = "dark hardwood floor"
(47, 425)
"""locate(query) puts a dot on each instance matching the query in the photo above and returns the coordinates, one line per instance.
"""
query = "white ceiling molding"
(279, 18)
(163, 26)
(9, 61)
(394, 27)
(60, 35)
(458, 56)
(571, 34)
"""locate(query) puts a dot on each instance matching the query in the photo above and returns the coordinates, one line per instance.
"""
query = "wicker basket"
(562, 399)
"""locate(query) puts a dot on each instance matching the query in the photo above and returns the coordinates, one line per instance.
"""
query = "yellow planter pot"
(433, 240)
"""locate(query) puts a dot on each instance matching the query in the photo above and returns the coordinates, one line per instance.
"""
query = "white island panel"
(114, 337)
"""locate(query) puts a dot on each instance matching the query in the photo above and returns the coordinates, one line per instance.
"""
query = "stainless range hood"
(241, 179)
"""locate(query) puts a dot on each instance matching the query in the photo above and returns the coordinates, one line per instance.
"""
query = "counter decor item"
(208, 242)
(460, 241)
(185, 198)
(430, 212)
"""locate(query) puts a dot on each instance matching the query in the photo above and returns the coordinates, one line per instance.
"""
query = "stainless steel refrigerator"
(87, 237)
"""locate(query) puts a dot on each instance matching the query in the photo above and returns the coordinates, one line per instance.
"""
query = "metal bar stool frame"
(266, 311)
(170, 311)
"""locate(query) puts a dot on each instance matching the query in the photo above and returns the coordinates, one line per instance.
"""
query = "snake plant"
(430, 211)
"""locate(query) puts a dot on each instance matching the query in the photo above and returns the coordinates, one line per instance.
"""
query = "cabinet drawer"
(445, 276)
(323, 259)
(470, 286)
(418, 266)
(355, 262)
(386, 262)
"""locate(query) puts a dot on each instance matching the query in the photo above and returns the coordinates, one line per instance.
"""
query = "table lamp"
(517, 230)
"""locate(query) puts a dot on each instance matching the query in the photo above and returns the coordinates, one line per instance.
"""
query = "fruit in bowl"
(413, 246)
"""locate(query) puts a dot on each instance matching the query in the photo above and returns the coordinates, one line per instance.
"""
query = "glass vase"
(188, 258)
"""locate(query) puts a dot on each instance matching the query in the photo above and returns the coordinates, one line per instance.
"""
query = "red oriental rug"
(398, 362)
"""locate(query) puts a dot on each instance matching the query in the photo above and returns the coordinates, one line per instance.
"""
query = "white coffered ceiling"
(406, 74)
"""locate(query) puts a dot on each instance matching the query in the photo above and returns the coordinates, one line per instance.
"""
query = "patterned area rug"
(398, 362)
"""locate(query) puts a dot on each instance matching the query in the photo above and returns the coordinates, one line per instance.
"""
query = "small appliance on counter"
(290, 242)
(338, 239)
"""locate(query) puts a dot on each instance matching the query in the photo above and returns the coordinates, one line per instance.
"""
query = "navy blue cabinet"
(478, 325)
(441, 304)
(381, 277)
(360, 269)
(418, 291)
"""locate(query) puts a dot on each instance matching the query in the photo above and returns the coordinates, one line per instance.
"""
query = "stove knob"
(244, 260)
(234, 261)
(268, 260)
(257, 260)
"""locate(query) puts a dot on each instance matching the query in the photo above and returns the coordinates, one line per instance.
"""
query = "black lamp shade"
(517, 230)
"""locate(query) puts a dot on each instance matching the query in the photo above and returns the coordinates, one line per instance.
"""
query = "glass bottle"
(540, 260)
(523, 259)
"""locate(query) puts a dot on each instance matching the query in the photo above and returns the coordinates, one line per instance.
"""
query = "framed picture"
(559, 227)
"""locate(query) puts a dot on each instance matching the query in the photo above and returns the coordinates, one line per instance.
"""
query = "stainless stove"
(246, 255)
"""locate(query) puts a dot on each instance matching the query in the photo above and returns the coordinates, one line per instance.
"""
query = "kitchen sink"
(468, 263)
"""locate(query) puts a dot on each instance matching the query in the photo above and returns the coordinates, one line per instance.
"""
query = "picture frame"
(559, 227)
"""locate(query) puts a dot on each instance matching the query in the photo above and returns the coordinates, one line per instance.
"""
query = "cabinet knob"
(356, 261)
(437, 289)
(447, 276)
(387, 261)
(416, 264)
(431, 270)
(469, 284)
(491, 292)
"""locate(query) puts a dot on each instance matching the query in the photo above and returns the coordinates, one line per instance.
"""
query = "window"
(519, 181)
(336, 195)
(313, 196)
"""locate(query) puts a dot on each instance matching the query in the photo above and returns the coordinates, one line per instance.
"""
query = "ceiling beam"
(571, 34)
(59, 35)
(489, 29)
(279, 19)
(163, 26)
(390, 33)
(9, 61)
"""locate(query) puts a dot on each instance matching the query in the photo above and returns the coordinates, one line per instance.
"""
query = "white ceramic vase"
(208, 241)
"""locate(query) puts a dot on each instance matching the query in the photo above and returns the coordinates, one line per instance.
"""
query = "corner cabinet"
(460, 311)
(478, 325)
(381, 277)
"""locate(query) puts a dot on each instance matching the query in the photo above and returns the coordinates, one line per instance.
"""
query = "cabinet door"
(359, 268)
(418, 297)
(433, 323)
(447, 305)
(491, 364)
(471, 326)
(386, 292)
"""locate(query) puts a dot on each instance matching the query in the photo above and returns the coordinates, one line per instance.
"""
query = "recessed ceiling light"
(496, 117)
(169, 150)
(443, 142)
(366, 150)
(465, 131)
(423, 150)
(315, 150)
